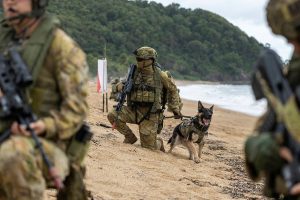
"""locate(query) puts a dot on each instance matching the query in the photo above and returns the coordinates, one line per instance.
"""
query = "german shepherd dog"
(192, 131)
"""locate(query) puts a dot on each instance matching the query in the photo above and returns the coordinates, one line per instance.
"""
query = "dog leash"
(168, 117)
(182, 116)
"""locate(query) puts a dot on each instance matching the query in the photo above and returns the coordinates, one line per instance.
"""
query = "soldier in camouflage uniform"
(114, 93)
(116, 87)
(144, 103)
(263, 155)
(58, 97)
(115, 83)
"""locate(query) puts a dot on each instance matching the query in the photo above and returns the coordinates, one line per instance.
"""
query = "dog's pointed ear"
(200, 106)
(212, 108)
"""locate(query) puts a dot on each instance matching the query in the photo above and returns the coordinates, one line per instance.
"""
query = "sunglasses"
(140, 59)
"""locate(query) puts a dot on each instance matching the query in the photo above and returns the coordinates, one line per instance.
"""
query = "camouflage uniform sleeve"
(71, 71)
(173, 98)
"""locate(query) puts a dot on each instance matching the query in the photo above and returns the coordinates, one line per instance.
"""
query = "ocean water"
(238, 98)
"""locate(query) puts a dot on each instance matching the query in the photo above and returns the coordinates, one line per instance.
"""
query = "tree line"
(192, 44)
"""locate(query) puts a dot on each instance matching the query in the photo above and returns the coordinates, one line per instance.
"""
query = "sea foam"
(238, 98)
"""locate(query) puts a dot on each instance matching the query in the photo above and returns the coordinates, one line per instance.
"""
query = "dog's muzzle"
(205, 121)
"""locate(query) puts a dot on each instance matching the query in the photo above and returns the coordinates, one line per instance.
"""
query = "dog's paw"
(197, 160)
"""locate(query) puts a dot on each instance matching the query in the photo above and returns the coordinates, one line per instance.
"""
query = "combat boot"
(130, 139)
(160, 145)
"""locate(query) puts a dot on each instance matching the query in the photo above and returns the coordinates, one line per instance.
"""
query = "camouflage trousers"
(148, 126)
(75, 188)
(23, 174)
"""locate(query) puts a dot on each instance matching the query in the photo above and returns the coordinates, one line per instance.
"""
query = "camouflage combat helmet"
(145, 53)
(38, 8)
(284, 17)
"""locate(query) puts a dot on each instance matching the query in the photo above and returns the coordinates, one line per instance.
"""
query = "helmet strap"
(25, 30)
(22, 32)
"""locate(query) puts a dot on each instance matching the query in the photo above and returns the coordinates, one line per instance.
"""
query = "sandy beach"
(122, 171)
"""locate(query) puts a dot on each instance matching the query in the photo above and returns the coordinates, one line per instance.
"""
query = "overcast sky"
(248, 15)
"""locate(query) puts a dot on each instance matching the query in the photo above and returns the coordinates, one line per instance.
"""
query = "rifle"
(126, 90)
(15, 78)
(269, 82)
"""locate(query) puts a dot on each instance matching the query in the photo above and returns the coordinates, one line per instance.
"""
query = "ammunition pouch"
(141, 104)
(143, 94)
(79, 145)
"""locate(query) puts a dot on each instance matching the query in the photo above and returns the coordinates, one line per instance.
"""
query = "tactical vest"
(147, 90)
(190, 126)
(42, 95)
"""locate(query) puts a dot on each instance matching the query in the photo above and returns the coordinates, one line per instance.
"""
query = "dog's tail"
(174, 135)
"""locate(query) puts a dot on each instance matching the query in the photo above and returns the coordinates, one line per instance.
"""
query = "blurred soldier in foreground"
(144, 100)
(58, 100)
(274, 151)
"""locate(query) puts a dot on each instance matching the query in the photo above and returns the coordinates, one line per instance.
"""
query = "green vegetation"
(192, 44)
